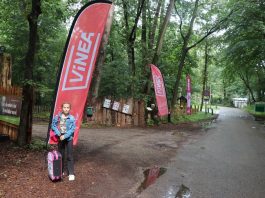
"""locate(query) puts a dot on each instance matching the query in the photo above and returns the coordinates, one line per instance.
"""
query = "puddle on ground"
(184, 192)
(150, 177)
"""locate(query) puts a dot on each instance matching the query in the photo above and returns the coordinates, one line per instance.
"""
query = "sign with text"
(160, 92)
(116, 106)
(107, 103)
(126, 109)
(10, 105)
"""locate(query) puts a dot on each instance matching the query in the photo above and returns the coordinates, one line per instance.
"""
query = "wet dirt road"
(227, 162)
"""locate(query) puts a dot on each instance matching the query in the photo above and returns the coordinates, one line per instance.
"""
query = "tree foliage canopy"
(238, 49)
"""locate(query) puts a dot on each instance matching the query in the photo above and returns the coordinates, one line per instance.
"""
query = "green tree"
(208, 22)
(25, 125)
(245, 50)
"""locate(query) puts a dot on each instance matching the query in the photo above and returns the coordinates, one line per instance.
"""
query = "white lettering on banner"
(159, 86)
(78, 72)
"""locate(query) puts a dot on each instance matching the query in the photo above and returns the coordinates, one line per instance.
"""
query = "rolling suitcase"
(54, 159)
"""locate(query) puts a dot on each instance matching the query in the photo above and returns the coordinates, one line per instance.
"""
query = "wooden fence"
(6, 128)
(110, 117)
(9, 129)
(105, 116)
(11, 91)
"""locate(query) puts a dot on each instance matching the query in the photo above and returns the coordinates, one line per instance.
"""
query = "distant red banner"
(79, 61)
(188, 94)
(160, 91)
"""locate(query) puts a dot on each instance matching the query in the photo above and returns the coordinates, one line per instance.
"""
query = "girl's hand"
(62, 137)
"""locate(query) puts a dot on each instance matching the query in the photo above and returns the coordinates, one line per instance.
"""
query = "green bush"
(150, 122)
(37, 144)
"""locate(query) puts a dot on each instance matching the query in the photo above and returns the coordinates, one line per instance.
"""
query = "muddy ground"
(109, 162)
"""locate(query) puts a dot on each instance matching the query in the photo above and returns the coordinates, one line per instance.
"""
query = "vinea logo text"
(80, 60)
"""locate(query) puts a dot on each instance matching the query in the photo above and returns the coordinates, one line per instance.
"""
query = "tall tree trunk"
(162, 33)
(149, 49)
(204, 81)
(152, 30)
(159, 44)
(260, 86)
(224, 89)
(186, 39)
(144, 36)
(25, 126)
(94, 90)
(184, 53)
(131, 36)
(131, 61)
(251, 93)
(247, 84)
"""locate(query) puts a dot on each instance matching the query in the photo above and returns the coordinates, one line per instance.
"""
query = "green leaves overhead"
(52, 34)
(245, 52)
(241, 43)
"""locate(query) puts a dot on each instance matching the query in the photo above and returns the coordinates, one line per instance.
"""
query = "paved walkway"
(228, 162)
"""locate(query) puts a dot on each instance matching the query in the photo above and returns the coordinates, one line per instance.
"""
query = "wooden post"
(123, 115)
(129, 118)
(141, 113)
(109, 123)
(119, 119)
(135, 113)
(5, 70)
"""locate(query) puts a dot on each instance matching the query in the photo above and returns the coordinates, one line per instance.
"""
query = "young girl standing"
(63, 126)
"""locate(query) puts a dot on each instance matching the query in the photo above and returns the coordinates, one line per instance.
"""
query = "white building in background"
(240, 102)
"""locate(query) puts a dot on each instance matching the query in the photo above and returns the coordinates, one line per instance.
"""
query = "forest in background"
(219, 43)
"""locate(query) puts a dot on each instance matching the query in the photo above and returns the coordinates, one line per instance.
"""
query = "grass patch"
(10, 119)
(42, 115)
(251, 109)
(196, 117)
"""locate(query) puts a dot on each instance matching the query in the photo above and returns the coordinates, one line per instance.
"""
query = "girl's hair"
(66, 103)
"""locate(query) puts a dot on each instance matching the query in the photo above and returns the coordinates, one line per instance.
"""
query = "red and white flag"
(188, 94)
(160, 91)
(78, 62)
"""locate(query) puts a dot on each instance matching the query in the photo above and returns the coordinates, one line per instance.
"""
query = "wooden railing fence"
(109, 117)
(105, 116)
